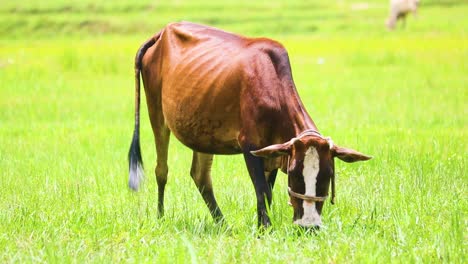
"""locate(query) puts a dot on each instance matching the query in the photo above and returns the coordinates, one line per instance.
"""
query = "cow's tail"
(135, 161)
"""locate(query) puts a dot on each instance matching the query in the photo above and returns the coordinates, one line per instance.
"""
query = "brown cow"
(221, 93)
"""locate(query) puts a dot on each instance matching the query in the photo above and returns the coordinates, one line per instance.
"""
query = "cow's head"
(310, 170)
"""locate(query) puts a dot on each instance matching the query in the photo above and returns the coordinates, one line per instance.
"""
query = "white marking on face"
(310, 172)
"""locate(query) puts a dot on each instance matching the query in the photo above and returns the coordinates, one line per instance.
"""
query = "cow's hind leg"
(162, 136)
(201, 175)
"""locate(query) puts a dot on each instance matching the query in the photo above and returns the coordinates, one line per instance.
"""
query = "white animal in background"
(399, 9)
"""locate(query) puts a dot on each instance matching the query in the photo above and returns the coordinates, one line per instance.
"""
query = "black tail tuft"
(135, 163)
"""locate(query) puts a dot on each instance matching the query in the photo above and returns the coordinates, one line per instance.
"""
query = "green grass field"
(66, 121)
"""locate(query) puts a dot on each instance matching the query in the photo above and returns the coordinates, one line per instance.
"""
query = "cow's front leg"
(271, 178)
(255, 167)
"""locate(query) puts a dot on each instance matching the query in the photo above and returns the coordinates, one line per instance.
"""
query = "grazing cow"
(399, 9)
(221, 93)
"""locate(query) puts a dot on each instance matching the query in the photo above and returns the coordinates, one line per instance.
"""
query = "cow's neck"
(298, 119)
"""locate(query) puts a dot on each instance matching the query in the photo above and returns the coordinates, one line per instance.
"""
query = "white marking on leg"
(310, 172)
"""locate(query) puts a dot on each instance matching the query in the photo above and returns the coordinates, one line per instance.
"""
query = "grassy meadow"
(66, 121)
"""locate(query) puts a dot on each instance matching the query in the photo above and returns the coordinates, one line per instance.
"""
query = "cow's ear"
(348, 155)
(273, 150)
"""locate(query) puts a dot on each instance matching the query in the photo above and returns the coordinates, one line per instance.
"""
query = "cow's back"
(203, 73)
